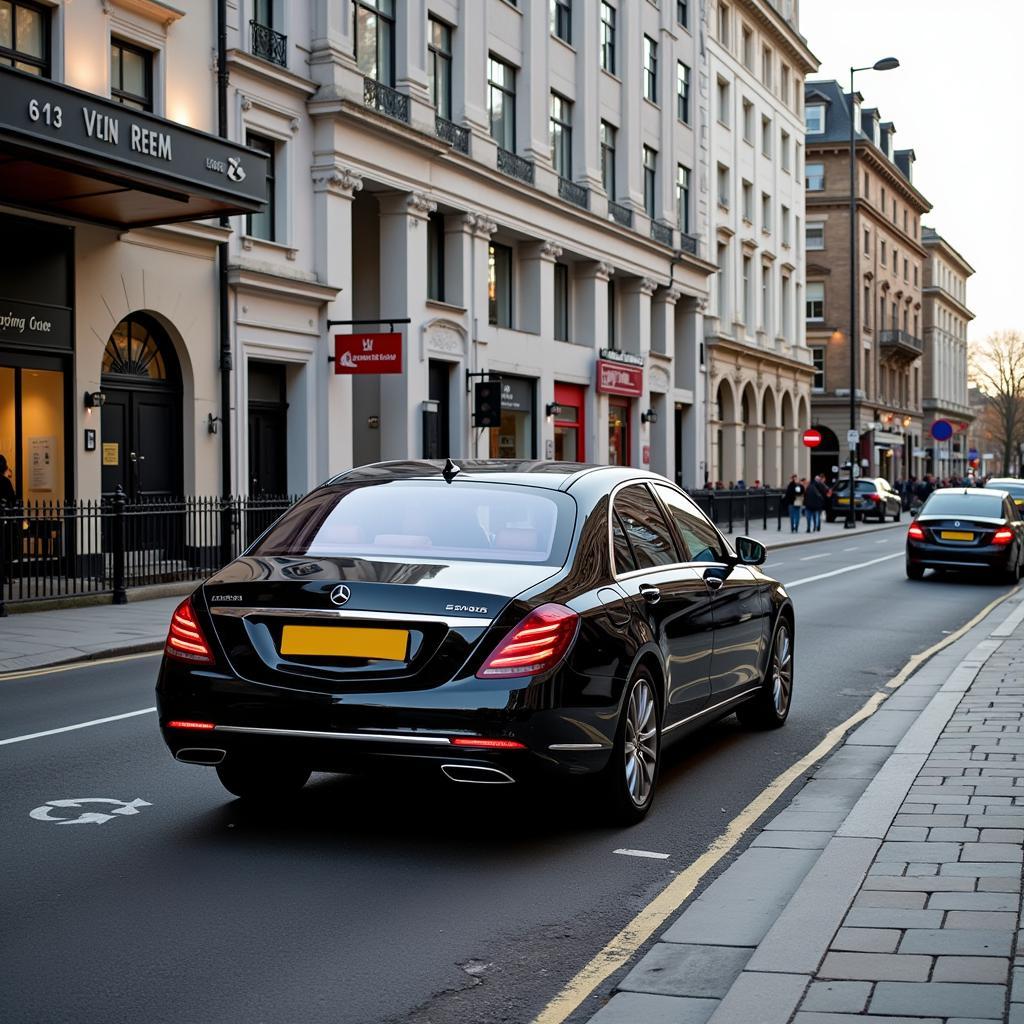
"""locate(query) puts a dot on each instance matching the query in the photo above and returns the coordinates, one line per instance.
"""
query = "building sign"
(616, 356)
(619, 378)
(516, 395)
(49, 326)
(368, 353)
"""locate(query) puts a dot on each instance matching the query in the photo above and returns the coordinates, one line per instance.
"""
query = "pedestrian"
(814, 501)
(7, 492)
(793, 501)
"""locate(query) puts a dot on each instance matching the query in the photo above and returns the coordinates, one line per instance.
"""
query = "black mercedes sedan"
(493, 622)
(967, 529)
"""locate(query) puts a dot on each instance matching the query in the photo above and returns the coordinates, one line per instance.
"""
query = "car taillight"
(875, 497)
(185, 640)
(536, 645)
(483, 743)
(1003, 536)
(188, 724)
(915, 532)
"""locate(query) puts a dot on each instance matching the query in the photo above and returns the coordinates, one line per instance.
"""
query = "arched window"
(136, 349)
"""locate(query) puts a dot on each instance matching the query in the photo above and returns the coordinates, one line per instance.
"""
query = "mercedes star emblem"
(956, 522)
(340, 594)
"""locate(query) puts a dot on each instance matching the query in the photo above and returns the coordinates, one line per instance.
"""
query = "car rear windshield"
(463, 521)
(863, 486)
(1014, 490)
(977, 503)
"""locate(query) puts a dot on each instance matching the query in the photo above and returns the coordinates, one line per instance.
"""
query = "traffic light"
(487, 403)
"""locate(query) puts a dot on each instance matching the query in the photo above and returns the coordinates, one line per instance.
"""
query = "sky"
(954, 102)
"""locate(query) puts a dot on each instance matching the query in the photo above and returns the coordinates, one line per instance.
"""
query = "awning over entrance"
(74, 154)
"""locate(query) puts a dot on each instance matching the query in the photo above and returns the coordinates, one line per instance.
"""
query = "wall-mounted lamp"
(211, 423)
(94, 399)
(649, 417)
(552, 409)
(906, 421)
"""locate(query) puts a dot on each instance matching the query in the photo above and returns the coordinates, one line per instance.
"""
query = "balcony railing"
(268, 44)
(578, 195)
(661, 232)
(389, 102)
(620, 214)
(901, 343)
(515, 166)
(688, 243)
(454, 134)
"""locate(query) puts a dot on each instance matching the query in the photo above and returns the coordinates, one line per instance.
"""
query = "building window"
(501, 102)
(766, 67)
(561, 302)
(723, 25)
(435, 257)
(723, 186)
(915, 276)
(650, 180)
(683, 13)
(683, 198)
(608, 159)
(748, 121)
(815, 301)
(439, 67)
(785, 225)
(747, 286)
(723, 101)
(748, 48)
(25, 37)
(906, 269)
(882, 255)
(814, 177)
(264, 224)
(766, 135)
(814, 119)
(650, 69)
(131, 74)
(818, 362)
(784, 84)
(766, 298)
(867, 242)
(561, 135)
(375, 39)
(766, 212)
(784, 147)
(866, 307)
(748, 202)
(867, 186)
(607, 36)
(815, 235)
(561, 20)
(896, 262)
(499, 285)
(683, 92)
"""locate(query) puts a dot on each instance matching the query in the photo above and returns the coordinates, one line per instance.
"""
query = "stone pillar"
(772, 463)
(636, 329)
(663, 320)
(403, 292)
(534, 98)
(537, 288)
(586, 158)
(334, 187)
(752, 463)
(591, 319)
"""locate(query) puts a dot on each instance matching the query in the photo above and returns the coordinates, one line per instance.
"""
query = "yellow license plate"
(842, 501)
(345, 642)
(955, 535)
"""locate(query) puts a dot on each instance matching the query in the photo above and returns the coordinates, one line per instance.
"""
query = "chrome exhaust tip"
(201, 755)
(476, 773)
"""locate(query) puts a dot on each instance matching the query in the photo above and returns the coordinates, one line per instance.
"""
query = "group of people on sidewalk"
(808, 498)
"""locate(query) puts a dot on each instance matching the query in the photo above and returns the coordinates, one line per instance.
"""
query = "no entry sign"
(811, 438)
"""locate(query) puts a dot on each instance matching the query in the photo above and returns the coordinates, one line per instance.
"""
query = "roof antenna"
(450, 471)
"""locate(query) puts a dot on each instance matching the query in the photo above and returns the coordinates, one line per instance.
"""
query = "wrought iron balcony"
(268, 44)
(900, 343)
(661, 232)
(620, 214)
(390, 102)
(515, 166)
(688, 243)
(578, 195)
(454, 134)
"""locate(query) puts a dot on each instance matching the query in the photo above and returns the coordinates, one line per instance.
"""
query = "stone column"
(537, 288)
(334, 187)
(403, 292)
(534, 98)
(771, 469)
(591, 320)
(586, 158)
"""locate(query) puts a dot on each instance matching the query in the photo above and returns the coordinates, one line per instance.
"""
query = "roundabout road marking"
(122, 807)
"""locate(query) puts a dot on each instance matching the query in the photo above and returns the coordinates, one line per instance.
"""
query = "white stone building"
(759, 366)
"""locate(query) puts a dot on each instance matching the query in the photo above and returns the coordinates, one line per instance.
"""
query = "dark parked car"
(494, 624)
(875, 499)
(1012, 486)
(967, 528)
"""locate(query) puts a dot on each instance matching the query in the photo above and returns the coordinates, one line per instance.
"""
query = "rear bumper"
(943, 556)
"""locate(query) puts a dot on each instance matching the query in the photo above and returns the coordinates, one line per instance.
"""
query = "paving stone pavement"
(889, 890)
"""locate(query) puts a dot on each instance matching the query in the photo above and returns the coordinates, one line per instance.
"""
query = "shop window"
(562, 301)
(514, 439)
(264, 224)
(131, 75)
(375, 39)
(25, 36)
(499, 285)
(32, 431)
(569, 423)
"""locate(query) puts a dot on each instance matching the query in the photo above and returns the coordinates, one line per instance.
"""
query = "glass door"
(618, 432)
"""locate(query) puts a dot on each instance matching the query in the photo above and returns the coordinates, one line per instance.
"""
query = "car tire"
(625, 796)
(769, 709)
(914, 572)
(899, 515)
(260, 780)
(1013, 575)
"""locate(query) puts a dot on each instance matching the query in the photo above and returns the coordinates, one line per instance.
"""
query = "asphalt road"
(357, 902)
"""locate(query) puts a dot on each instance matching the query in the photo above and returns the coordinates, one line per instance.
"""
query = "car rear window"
(863, 486)
(463, 521)
(1014, 490)
(977, 503)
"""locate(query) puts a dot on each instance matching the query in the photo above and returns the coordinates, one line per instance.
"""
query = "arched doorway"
(141, 418)
(826, 455)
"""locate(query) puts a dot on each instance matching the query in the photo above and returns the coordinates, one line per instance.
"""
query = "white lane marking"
(839, 572)
(886, 541)
(71, 728)
(856, 547)
(87, 817)
(643, 853)
(808, 558)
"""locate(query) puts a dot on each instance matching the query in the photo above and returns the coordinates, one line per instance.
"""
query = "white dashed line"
(839, 572)
(808, 558)
(80, 725)
(856, 547)
(643, 853)
(886, 541)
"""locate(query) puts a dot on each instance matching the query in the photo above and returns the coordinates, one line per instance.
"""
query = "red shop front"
(621, 377)
(570, 423)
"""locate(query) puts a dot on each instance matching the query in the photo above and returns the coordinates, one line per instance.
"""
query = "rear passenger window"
(648, 532)
(698, 535)
(620, 547)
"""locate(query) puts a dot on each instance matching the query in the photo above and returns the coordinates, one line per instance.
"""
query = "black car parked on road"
(491, 624)
(967, 528)
(874, 499)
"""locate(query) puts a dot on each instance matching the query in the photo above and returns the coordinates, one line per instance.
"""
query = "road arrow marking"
(87, 817)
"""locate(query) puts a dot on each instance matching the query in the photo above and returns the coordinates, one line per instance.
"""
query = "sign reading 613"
(48, 112)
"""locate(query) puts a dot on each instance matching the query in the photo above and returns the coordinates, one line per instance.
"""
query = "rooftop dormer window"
(814, 119)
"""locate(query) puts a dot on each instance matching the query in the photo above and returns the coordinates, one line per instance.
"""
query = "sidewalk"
(888, 890)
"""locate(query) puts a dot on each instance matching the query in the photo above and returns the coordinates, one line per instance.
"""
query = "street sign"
(852, 437)
(972, 454)
(811, 438)
(368, 353)
(942, 430)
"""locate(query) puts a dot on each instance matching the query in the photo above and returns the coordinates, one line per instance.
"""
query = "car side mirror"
(750, 551)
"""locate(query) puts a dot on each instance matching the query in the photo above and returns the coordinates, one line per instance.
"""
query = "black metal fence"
(738, 510)
(75, 548)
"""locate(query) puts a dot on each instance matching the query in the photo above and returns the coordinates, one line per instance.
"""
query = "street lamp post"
(885, 64)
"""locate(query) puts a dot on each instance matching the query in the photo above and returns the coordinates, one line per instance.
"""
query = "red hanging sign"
(614, 378)
(368, 353)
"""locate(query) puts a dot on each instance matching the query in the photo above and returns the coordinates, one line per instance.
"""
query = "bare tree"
(997, 368)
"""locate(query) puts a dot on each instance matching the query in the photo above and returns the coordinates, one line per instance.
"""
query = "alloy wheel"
(782, 670)
(641, 742)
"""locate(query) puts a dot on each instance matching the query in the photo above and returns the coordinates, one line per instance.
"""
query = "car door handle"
(650, 593)
(714, 583)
